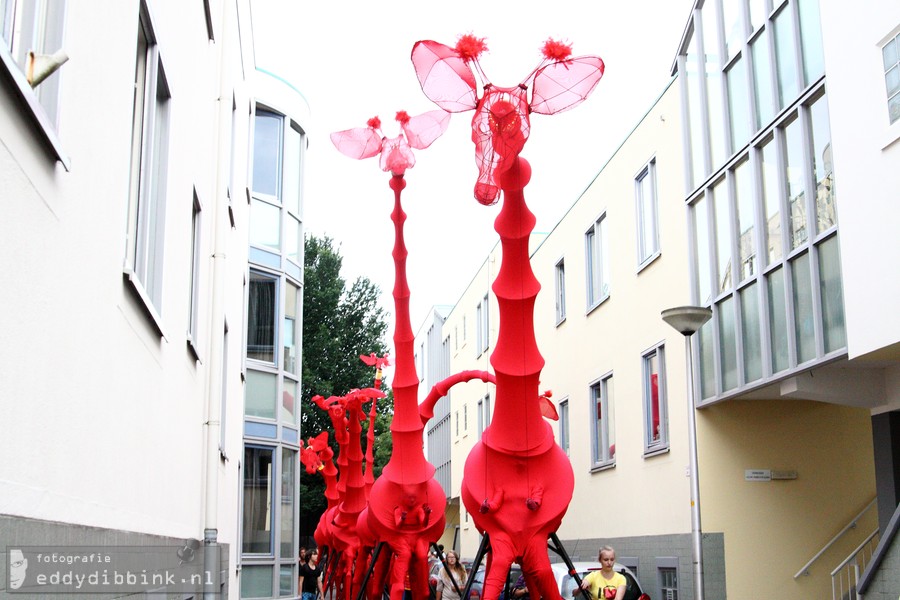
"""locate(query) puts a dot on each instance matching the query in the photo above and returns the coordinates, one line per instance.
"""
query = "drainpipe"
(211, 559)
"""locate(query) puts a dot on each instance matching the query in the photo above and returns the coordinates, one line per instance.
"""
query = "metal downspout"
(211, 559)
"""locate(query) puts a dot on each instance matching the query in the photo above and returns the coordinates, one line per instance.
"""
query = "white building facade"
(134, 180)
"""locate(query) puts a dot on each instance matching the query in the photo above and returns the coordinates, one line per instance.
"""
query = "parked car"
(478, 583)
(567, 584)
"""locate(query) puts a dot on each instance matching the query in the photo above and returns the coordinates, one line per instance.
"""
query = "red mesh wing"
(564, 85)
(445, 78)
(361, 142)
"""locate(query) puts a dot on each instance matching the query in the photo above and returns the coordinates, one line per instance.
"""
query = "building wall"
(865, 152)
(462, 326)
(776, 518)
(93, 384)
(612, 337)
(128, 428)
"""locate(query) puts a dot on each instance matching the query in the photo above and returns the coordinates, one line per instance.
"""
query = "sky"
(351, 60)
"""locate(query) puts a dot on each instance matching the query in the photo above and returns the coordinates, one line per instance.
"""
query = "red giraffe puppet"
(317, 456)
(355, 496)
(336, 567)
(406, 505)
(517, 482)
(367, 540)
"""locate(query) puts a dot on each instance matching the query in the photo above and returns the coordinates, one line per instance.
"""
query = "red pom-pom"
(374, 123)
(470, 47)
(556, 51)
(402, 117)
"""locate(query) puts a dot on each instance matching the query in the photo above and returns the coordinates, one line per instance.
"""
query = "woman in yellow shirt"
(605, 584)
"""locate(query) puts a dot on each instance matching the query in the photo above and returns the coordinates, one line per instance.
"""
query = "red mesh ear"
(444, 76)
(563, 85)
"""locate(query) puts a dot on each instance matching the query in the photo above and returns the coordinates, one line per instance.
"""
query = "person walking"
(445, 588)
(606, 584)
(310, 577)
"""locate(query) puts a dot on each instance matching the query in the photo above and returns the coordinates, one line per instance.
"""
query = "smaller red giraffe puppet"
(366, 538)
(318, 457)
(406, 504)
(517, 482)
(346, 412)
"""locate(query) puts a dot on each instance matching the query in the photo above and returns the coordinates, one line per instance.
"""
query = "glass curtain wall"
(269, 543)
(761, 192)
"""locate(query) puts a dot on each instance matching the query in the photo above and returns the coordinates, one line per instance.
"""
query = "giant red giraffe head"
(501, 124)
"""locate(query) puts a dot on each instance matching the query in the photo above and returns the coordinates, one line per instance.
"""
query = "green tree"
(339, 324)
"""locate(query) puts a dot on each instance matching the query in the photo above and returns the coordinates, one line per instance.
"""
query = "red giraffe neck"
(407, 464)
(517, 426)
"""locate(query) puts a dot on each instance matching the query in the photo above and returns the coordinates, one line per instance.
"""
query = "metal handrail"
(855, 553)
(805, 569)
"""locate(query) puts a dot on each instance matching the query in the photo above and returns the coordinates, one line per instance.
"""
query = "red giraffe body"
(517, 482)
(406, 505)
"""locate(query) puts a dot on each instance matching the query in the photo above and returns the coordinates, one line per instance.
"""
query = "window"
(261, 390)
(258, 508)
(645, 199)
(564, 425)
(763, 218)
(288, 489)
(262, 310)
(269, 520)
(656, 422)
(484, 414)
(456, 423)
(223, 409)
(560, 291)
(149, 154)
(596, 260)
(278, 145)
(420, 360)
(291, 193)
(603, 432)
(480, 418)
(34, 27)
(291, 329)
(465, 417)
(482, 332)
(192, 334)
(668, 583)
(891, 57)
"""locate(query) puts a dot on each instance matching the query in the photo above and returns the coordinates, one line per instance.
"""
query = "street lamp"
(687, 320)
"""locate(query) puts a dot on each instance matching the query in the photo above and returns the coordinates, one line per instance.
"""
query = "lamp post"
(687, 320)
